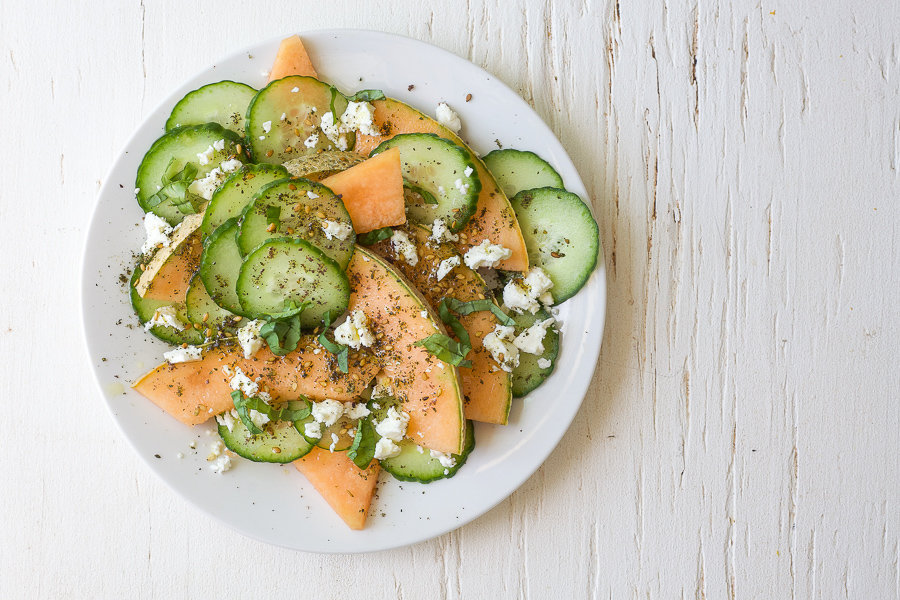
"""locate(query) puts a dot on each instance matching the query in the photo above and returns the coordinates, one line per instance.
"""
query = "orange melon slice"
(291, 59)
(372, 191)
(494, 217)
(192, 392)
(487, 389)
(347, 488)
(429, 389)
(168, 274)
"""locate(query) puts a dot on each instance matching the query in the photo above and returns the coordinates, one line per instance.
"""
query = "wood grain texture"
(741, 436)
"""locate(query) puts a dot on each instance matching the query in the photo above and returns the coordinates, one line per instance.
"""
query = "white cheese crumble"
(486, 254)
(180, 355)
(468, 171)
(259, 419)
(386, 448)
(221, 464)
(283, 116)
(447, 117)
(206, 156)
(424, 314)
(312, 194)
(249, 338)
(241, 382)
(532, 339)
(405, 248)
(219, 146)
(267, 126)
(356, 411)
(381, 390)
(334, 441)
(462, 187)
(137, 191)
(227, 419)
(447, 265)
(231, 165)
(262, 137)
(158, 231)
(441, 233)
(207, 186)
(359, 116)
(526, 293)
(447, 461)
(327, 412)
(354, 331)
(393, 426)
(180, 455)
(334, 229)
(333, 131)
(442, 191)
(295, 90)
(311, 141)
(544, 363)
(164, 316)
(499, 343)
(313, 429)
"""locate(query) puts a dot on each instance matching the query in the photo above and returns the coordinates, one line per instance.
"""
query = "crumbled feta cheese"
(468, 171)
(193, 445)
(356, 411)
(180, 455)
(394, 424)
(420, 449)
(354, 331)
(327, 412)
(311, 194)
(206, 186)
(231, 165)
(216, 449)
(386, 448)
(313, 429)
(334, 441)
(249, 338)
(486, 254)
(267, 126)
(447, 265)
(499, 343)
(221, 464)
(333, 131)
(359, 116)
(446, 460)
(447, 117)
(442, 191)
(381, 390)
(219, 145)
(544, 363)
(262, 137)
(334, 229)
(424, 314)
(462, 187)
(164, 316)
(241, 382)
(137, 191)
(158, 232)
(441, 233)
(532, 339)
(311, 141)
(283, 116)
(180, 355)
(405, 248)
(524, 293)
(227, 419)
(295, 90)
(206, 156)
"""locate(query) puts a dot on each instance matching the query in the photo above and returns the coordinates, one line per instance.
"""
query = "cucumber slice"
(220, 264)
(280, 441)
(144, 309)
(517, 170)
(413, 465)
(561, 236)
(302, 207)
(201, 310)
(236, 192)
(224, 102)
(169, 154)
(528, 375)
(288, 269)
(302, 109)
(438, 167)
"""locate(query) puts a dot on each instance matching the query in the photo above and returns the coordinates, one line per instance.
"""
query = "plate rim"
(598, 279)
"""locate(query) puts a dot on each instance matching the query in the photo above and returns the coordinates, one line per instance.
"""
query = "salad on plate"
(345, 285)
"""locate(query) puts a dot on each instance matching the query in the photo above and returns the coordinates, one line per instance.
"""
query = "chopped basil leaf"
(447, 349)
(427, 197)
(243, 405)
(240, 405)
(367, 96)
(282, 335)
(362, 451)
(340, 351)
(375, 236)
(465, 308)
(175, 188)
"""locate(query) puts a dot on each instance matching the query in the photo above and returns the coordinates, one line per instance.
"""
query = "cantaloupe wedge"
(347, 488)
(168, 274)
(372, 191)
(486, 388)
(291, 59)
(494, 218)
(429, 389)
(192, 392)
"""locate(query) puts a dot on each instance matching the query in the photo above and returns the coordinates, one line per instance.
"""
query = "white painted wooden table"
(741, 436)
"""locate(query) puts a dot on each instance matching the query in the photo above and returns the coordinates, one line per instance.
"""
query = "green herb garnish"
(175, 188)
(244, 404)
(362, 451)
(366, 96)
(340, 351)
(466, 308)
(427, 197)
(375, 236)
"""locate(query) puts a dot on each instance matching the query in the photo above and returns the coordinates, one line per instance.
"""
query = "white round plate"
(276, 504)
